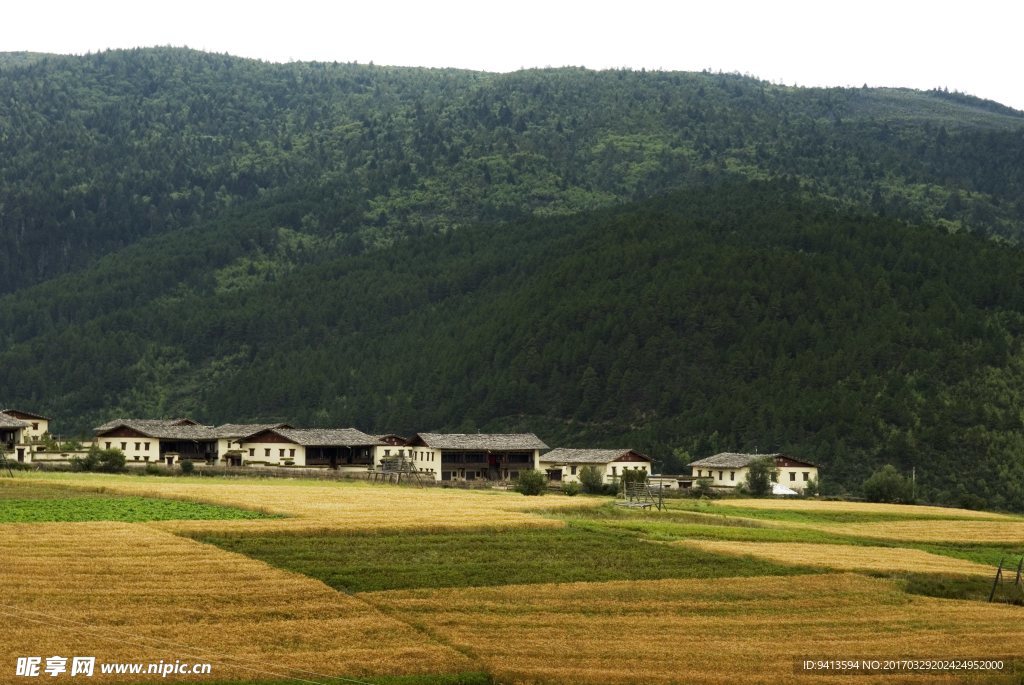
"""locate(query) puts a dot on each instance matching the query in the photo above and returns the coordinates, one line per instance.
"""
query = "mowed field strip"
(845, 557)
(351, 506)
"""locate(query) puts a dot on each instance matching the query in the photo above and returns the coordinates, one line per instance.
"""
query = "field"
(354, 582)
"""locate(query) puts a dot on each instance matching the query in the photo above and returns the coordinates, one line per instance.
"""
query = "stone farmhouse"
(22, 433)
(730, 469)
(564, 463)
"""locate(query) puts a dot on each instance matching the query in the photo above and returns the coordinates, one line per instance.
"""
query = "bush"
(571, 489)
(888, 485)
(531, 483)
(812, 489)
(187, 467)
(760, 476)
(591, 480)
(154, 470)
(106, 461)
(702, 488)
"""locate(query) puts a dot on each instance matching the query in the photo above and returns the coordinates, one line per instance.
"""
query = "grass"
(364, 563)
(39, 503)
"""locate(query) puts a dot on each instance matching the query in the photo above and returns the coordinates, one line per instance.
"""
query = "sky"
(972, 47)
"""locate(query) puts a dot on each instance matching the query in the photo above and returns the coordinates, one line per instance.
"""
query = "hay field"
(996, 532)
(718, 632)
(845, 557)
(128, 592)
(900, 510)
(354, 505)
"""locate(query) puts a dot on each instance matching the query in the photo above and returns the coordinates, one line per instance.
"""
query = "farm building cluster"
(25, 437)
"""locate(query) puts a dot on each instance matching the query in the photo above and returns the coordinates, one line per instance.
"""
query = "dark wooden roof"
(243, 430)
(162, 429)
(321, 437)
(479, 441)
(567, 455)
(19, 414)
(736, 460)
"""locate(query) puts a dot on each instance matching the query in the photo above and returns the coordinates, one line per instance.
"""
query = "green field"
(41, 503)
(366, 563)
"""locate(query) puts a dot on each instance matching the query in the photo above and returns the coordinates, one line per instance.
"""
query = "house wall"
(136, 447)
(606, 469)
(722, 477)
(793, 476)
(256, 453)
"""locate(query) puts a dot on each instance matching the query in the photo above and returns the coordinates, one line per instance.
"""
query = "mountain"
(104, 150)
(678, 263)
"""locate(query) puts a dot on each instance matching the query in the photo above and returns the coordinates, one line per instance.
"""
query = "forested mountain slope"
(738, 316)
(103, 150)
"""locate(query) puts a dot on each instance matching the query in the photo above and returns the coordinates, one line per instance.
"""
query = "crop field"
(355, 582)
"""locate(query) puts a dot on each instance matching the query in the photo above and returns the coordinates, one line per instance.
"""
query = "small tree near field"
(888, 485)
(760, 475)
(591, 479)
(531, 483)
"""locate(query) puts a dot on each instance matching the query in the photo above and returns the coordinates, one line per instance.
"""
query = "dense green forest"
(740, 316)
(678, 263)
(103, 150)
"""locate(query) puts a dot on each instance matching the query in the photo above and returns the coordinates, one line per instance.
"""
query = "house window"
(732, 475)
(280, 452)
(387, 453)
(252, 451)
(572, 469)
(700, 473)
(108, 445)
(720, 476)
(807, 476)
(147, 445)
(291, 452)
(266, 451)
(792, 476)
(35, 426)
(775, 478)
(124, 446)
(137, 445)
(613, 470)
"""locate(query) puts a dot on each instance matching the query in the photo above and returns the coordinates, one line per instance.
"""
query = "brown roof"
(24, 414)
(163, 429)
(567, 455)
(322, 437)
(479, 441)
(7, 421)
(243, 430)
(736, 460)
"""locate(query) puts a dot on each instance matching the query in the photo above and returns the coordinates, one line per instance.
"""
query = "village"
(440, 457)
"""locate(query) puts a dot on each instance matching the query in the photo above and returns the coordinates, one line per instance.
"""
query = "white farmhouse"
(730, 469)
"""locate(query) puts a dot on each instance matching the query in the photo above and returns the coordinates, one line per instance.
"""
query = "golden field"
(742, 630)
(902, 510)
(846, 557)
(140, 592)
(353, 505)
(129, 592)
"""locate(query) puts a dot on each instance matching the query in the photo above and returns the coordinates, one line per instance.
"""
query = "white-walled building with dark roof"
(564, 463)
(476, 456)
(730, 469)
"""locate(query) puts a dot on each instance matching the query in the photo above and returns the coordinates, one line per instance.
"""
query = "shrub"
(531, 483)
(107, 461)
(571, 489)
(888, 485)
(591, 480)
(701, 488)
(760, 475)
(812, 489)
(187, 467)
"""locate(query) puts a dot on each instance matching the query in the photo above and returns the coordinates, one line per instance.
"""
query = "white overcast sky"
(972, 47)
